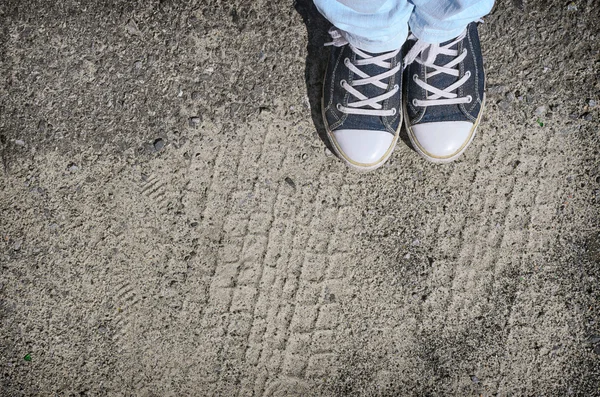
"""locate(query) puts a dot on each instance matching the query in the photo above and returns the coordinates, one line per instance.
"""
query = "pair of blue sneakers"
(437, 89)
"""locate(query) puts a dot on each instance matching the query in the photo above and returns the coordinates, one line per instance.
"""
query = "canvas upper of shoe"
(444, 87)
(445, 82)
(362, 93)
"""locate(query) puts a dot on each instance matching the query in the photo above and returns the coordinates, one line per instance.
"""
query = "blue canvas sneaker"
(362, 98)
(445, 95)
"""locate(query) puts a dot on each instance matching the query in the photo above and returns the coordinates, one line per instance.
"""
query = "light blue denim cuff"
(377, 46)
(434, 36)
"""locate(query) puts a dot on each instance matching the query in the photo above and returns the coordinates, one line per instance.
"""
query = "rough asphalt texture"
(171, 223)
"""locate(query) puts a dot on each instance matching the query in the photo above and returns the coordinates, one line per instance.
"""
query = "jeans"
(382, 25)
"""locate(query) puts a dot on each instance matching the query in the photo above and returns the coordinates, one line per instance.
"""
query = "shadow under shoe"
(316, 61)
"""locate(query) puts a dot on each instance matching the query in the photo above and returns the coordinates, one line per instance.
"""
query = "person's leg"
(444, 76)
(370, 25)
(362, 93)
(436, 21)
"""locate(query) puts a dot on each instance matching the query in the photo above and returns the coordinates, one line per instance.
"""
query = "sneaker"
(445, 95)
(362, 95)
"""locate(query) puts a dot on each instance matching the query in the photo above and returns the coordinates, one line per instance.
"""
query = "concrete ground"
(172, 224)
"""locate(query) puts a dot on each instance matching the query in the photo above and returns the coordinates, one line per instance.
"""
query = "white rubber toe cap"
(364, 148)
(442, 140)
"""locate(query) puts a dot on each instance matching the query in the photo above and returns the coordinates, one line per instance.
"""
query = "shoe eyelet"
(346, 61)
(393, 111)
(339, 107)
(414, 102)
(396, 87)
(464, 51)
(468, 73)
(469, 99)
(415, 77)
(343, 82)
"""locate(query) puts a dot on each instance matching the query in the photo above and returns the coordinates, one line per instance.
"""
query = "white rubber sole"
(442, 159)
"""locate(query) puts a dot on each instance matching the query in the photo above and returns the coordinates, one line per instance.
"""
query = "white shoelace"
(428, 53)
(373, 105)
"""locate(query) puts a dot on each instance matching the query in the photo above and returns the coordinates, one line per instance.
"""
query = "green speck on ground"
(27, 357)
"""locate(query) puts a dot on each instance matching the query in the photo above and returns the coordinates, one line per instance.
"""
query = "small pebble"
(474, 379)
(510, 97)
(571, 7)
(19, 142)
(304, 156)
(194, 121)
(290, 182)
(587, 116)
(195, 95)
(17, 245)
(159, 143)
(328, 152)
(519, 4)
(540, 111)
(72, 167)
(496, 89)
(592, 103)
(407, 256)
(416, 242)
(132, 28)
(504, 105)
(138, 64)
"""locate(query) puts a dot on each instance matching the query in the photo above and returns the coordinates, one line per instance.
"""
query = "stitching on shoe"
(421, 111)
(478, 60)
(467, 112)
(387, 122)
(330, 108)
(333, 73)
(475, 62)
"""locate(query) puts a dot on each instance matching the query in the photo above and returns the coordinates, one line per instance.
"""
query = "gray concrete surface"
(171, 223)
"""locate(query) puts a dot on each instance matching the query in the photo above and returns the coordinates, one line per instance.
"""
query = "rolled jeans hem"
(434, 36)
(369, 24)
(377, 46)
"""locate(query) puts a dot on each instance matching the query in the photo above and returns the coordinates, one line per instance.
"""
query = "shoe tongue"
(441, 80)
(426, 54)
